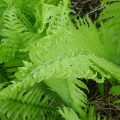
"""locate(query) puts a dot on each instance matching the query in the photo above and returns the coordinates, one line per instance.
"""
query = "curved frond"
(61, 77)
(68, 39)
(110, 31)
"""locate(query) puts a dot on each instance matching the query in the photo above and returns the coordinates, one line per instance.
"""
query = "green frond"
(110, 31)
(68, 114)
(52, 77)
(32, 103)
(11, 40)
(60, 18)
(38, 14)
(61, 77)
(68, 39)
(56, 2)
(56, 55)
(111, 10)
(66, 84)
(115, 90)
(3, 7)
(16, 34)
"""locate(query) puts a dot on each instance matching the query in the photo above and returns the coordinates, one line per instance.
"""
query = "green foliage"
(69, 114)
(109, 30)
(115, 90)
(44, 57)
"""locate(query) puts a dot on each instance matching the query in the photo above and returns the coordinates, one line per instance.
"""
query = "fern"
(31, 103)
(16, 33)
(57, 80)
(69, 114)
(56, 55)
(109, 31)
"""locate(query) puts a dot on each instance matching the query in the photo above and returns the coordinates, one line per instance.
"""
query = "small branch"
(96, 10)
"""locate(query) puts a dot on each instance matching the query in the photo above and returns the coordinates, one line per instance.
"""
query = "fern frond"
(61, 77)
(68, 39)
(56, 2)
(3, 7)
(61, 55)
(110, 31)
(66, 84)
(16, 34)
(115, 90)
(68, 114)
(38, 14)
(12, 22)
(60, 18)
(111, 10)
(32, 103)
(11, 29)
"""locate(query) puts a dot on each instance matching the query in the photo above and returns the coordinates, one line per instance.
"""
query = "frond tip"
(68, 113)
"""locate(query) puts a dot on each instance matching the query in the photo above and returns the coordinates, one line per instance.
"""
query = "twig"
(96, 10)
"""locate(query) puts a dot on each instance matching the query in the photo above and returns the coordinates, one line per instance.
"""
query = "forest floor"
(89, 7)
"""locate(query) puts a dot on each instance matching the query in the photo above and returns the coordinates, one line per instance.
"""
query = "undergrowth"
(56, 63)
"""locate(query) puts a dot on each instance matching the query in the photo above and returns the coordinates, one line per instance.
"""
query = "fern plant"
(44, 56)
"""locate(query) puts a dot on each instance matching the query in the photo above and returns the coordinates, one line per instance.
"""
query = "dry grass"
(105, 106)
(90, 7)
